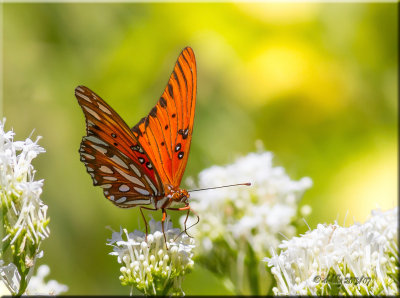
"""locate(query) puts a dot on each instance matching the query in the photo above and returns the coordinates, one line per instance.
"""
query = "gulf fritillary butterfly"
(143, 165)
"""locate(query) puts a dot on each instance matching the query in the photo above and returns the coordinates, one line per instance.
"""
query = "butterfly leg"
(187, 207)
(164, 213)
(145, 222)
(198, 219)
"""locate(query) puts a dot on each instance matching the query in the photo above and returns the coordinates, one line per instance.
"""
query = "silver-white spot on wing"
(105, 186)
(151, 184)
(119, 161)
(95, 140)
(93, 113)
(106, 169)
(104, 109)
(80, 89)
(87, 155)
(83, 96)
(121, 200)
(138, 202)
(141, 191)
(124, 188)
(110, 178)
(129, 177)
(135, 169)
(123, 155)
(100, 149)
(111, 198)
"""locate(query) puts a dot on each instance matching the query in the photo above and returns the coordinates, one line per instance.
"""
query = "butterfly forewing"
(166, 133)
(114, 157)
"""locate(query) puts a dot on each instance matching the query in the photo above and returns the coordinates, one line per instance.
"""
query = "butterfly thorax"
(175, 195)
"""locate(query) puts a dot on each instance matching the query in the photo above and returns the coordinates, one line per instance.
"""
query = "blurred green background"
(317, 83)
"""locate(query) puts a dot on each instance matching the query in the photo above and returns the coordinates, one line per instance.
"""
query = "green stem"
(252, 263)
(22, 286)
(162, 289)
(23, 283)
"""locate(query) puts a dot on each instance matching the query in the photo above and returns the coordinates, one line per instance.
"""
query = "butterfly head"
(180, 195)
(177, 195)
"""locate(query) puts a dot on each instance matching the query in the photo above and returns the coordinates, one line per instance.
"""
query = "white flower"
(37, 285)
(149, 266)
(239, 224)
(24, 216)
(331, 260)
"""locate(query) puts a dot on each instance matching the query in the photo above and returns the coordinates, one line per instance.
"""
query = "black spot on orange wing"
(184, 133)
(170, 90)
(163, 102)
(97, 128)
(136, 130)
(153, 112)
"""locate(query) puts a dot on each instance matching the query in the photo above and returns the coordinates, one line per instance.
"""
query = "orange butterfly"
(143, 165)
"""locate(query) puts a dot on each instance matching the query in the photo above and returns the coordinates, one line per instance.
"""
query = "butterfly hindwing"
(114, 157)
(166, 133)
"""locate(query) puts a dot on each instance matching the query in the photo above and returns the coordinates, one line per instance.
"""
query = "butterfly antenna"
(239, 184)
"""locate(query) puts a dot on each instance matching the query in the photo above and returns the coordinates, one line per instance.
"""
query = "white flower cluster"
(238, 225)
(150, 266)
(257, 213)
(331, 260)
(25, 213)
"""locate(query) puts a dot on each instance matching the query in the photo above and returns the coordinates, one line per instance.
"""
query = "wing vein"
(158, 150)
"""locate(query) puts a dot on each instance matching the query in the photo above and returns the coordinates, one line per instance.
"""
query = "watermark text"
(340, 279)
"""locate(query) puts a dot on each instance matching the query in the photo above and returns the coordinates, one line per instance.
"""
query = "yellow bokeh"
(290, 69)
(280, 13)
(367, 182)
